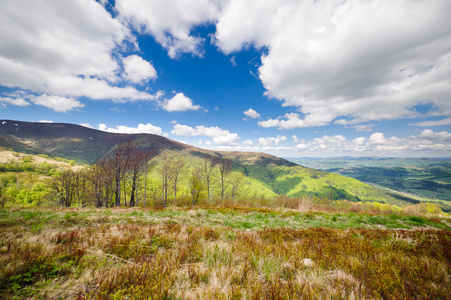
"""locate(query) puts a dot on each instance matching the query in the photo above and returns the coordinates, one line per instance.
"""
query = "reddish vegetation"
(108, 259)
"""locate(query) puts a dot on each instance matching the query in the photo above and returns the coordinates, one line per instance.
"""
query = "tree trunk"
(137, 191)
(175, 191)
(125, 192)
(208, 189)
(118, 192)
(132, 194)
(145, 187)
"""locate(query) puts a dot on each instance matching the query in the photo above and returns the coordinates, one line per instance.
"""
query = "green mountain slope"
(71, 141)
(267, 175)
(294, 181)
(422, 177)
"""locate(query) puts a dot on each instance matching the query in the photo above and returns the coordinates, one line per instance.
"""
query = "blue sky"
(290, 78)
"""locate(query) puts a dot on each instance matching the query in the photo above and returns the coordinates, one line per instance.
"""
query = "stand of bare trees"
(120, 160)
(124, 172)
(138, 160)
(171, 169)
(225, 166)
(207, 171)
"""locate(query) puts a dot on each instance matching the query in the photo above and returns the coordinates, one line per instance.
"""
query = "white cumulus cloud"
(87, 125)
(427, 140)
(142, 128)
(218, 135)
(13, 101)
(64, 49)
(180, 103)
(57, 103)
(271, 140)
(364, 60)
(425, 143)
(170, 21)
(138, 70)
(251, 113)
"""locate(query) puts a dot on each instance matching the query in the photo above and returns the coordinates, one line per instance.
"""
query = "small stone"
(308, 262)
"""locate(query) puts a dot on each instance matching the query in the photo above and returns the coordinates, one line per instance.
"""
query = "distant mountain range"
(424, 177)
(273, 174)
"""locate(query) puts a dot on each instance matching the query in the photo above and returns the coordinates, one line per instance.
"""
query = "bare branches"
(207, 171)
(120, 161)
(171, 170)
(225, 166)
(137, 161)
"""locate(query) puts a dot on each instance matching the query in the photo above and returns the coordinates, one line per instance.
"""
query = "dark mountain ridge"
(87, 145)
(74, 141)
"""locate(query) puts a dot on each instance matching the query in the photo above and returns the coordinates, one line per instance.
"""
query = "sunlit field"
(339, 250)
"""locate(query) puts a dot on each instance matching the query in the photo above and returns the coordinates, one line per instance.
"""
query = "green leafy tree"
(196, 184)
(236, 183)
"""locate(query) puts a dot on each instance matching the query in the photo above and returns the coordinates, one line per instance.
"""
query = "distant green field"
(423, 177)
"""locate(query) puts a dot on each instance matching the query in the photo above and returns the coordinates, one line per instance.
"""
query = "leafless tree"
(64, 186)
(100, 177)
(225, 166)
(164, 173)
(176, 169)
(120, 161)
(81, 186)
(207, 171)
(137, 161)
(95, 176)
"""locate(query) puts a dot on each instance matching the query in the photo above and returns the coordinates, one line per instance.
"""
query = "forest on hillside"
(127, 177)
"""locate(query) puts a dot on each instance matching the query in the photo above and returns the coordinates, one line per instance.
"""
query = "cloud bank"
(218, 135)
(427, 141)
(67, 49)
(142, 128)
(351, 61)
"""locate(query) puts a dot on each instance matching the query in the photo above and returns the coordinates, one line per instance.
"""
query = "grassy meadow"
(296, 249)
(281, 236)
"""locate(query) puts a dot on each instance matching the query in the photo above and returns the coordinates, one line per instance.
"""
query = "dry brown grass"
(120, 257)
